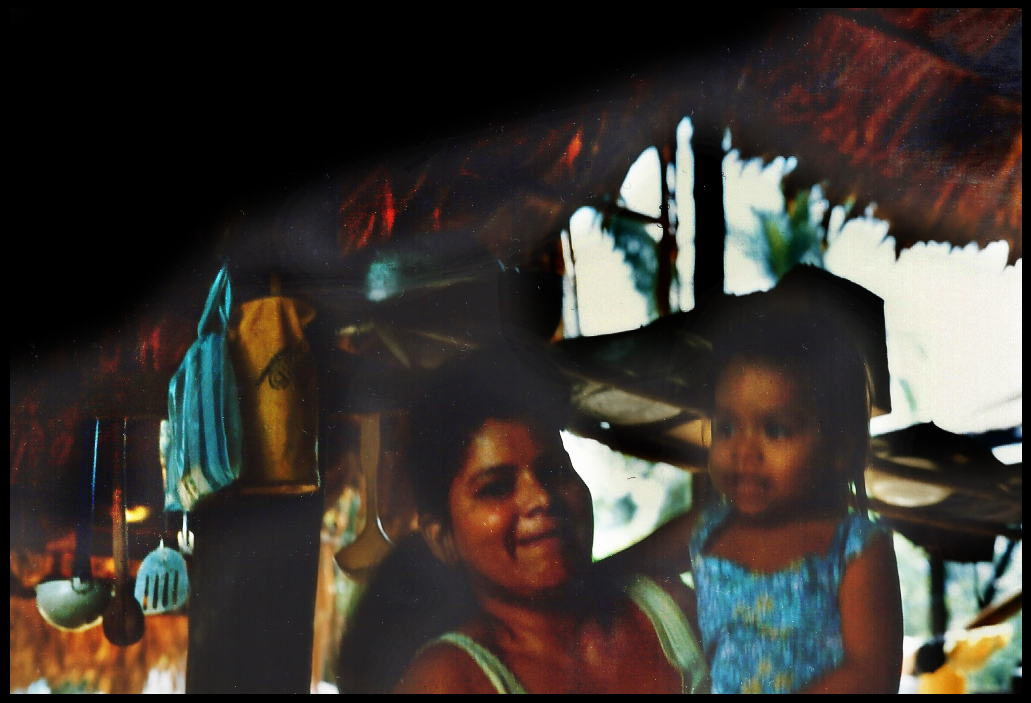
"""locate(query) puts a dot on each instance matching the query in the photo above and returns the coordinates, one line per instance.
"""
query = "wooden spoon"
(123, 619)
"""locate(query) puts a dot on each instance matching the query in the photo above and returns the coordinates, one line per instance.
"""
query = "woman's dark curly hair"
(490, 383)
(411, 599)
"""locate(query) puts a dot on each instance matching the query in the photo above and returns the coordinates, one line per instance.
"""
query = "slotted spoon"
(162, 583)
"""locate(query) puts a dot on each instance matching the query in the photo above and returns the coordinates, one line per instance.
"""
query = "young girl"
(797, 589)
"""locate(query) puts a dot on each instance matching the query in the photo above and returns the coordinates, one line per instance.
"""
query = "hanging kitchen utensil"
(78, 603)
(162, 584)
(123, 619)
(373, 543)
(185, 538)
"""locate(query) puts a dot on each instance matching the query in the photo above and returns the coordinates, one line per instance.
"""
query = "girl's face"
(767, 452)
(521, 517)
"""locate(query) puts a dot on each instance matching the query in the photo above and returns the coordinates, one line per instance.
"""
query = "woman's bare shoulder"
(444, 668)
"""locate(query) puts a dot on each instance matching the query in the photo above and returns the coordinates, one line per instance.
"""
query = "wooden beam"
(999, 612)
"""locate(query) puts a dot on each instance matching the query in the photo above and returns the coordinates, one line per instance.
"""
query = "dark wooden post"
(939, 609)
(667, 249)
(252, 606)
(710, 222)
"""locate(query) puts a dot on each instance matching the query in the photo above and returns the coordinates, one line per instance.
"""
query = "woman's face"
(521, 517)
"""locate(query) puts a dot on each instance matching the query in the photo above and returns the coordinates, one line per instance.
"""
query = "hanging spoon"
(123, 619)
(373, 543)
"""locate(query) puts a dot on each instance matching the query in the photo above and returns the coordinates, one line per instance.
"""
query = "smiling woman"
(510, 524)
(517, 497)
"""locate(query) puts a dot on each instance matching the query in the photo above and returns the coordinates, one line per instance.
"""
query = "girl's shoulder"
(768, 550)
(710, 518)
(857, 531)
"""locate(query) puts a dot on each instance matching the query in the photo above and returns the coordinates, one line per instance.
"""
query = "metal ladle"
(123, 619)
(357, 558)
(78, 603)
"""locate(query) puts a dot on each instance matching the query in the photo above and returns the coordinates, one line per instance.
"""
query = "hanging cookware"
(162, 583)
(123, 619)
(356, 558)
(78, 603)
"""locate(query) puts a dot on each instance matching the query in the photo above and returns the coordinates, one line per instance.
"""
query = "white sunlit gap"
(953, 315)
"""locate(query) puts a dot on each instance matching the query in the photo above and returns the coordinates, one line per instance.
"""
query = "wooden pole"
(252, 606)
(710, 221)
(667, 250)
(939, 609)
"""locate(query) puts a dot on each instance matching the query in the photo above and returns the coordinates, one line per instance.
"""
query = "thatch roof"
(917, 112)
(314, 165)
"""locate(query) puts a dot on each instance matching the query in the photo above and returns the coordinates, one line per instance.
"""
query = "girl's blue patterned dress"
(773, 632)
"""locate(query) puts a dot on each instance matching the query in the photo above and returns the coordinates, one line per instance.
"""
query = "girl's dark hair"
(822, 354)
(490, 383)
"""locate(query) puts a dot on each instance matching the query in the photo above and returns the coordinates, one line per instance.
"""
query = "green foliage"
(791, 237)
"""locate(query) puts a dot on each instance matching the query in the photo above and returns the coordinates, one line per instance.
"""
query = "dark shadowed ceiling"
(139, 140)
(918, 112)
(146, 147)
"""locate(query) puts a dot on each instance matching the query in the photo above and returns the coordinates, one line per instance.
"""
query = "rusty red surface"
(126, 375)
(509, 187)
(906, 108)
(908, 119)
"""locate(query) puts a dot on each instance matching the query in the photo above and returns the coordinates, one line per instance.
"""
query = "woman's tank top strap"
(503, 679)
(679, 641)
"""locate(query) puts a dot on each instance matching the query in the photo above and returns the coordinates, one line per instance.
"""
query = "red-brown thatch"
(919, 112)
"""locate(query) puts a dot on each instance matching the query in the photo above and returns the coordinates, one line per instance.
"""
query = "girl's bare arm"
(663, 553)
(871, 625)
